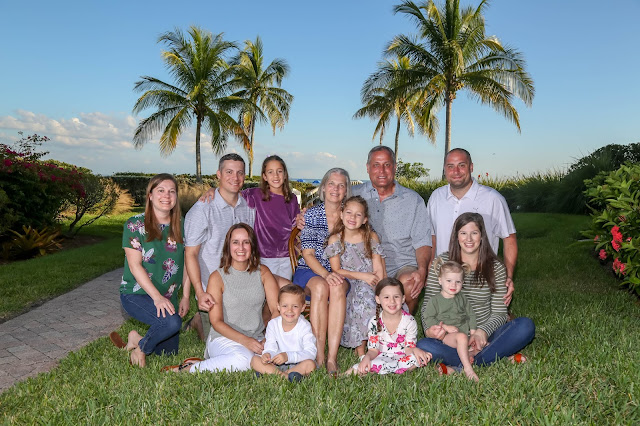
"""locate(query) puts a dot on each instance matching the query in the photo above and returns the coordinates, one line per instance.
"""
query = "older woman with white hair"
(327, 289)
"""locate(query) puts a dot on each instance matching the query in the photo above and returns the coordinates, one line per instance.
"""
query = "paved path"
(34, 342)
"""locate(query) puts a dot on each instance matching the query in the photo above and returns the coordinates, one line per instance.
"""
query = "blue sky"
(68, 70)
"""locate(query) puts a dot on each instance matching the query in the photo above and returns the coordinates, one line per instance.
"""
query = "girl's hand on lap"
(334, 279)
(422, 356)
(164, 306)
(281, 358)
(370, 278)
(253, 345)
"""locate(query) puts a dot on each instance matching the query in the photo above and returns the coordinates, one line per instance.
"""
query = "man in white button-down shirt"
(464, 194)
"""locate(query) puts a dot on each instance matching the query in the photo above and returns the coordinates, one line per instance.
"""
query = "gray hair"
(382, 148)
(340, 171)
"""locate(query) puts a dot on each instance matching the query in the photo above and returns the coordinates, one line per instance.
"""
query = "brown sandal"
(117, 340)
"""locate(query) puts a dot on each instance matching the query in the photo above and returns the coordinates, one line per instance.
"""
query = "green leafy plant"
(411, 171)
(100, 198)
(614, 198)
(31, 243)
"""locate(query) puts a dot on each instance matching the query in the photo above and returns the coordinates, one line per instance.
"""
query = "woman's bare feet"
(332, 368)
(133, 340)
(443, 369)
(138, 358)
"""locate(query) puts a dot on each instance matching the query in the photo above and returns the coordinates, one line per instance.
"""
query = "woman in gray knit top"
(239, 289)
(484, 288)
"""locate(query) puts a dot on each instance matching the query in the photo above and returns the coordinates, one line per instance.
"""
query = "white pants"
(280, 266)
(225, 354)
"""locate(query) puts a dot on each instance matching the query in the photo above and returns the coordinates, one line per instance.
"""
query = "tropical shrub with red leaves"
(614, 198)
(33, 192)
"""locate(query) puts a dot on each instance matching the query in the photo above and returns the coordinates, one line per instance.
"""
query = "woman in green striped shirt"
(484, 288)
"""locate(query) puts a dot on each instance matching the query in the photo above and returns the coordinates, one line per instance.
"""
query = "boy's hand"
(450, 328)
(280, 359)
(266, 358)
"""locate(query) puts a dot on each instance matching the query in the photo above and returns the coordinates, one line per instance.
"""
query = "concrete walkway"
(33, 343)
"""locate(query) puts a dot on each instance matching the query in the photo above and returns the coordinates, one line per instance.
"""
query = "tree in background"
(455, 53)
(411, 171)
(201, 90)
(260, 86)
(387, 94)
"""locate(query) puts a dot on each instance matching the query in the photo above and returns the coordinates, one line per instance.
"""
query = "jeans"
(505, 341)
(163, 334)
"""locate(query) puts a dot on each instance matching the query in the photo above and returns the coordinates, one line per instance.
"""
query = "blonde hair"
(441, 266)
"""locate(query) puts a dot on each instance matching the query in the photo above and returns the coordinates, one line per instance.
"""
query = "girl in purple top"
(276, 210)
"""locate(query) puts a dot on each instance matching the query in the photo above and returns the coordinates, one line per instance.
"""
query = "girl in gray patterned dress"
(354, 252)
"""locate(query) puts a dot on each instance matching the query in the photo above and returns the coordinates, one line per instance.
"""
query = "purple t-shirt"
(274, 221)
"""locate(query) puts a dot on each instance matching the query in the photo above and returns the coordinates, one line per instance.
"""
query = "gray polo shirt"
(401, 222)
(206, 225)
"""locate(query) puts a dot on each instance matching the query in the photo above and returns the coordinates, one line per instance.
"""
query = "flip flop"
(185, 364)
(192, 360)
(443, 370)
(117, 340)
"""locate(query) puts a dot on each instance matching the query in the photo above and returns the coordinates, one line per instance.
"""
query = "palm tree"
(456, 54)
(201, 91)
(386, 94)
(260, 86)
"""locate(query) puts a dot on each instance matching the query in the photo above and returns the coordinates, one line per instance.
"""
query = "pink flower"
(8, 162)
(596, 238)
(375, 368)
(615, 245)
(616, 234)
(629, 239)
(602, 255)
(400, 338)
(392, 345)
(400, 370)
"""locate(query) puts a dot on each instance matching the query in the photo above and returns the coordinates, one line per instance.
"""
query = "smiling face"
(231, 176)
(457, 170)
(335, 189)
(381, 169)
(469, 238)
(451, 283)
(390, 299)
(274, 175)
(240, 245)
(290, 307)
(163, 197)
(353, 215)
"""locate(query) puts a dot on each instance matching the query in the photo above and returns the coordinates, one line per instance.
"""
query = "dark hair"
(292, 289)
(461, 150)
(378, 148)
(232, 157)
(264, 185)
(385, 282)
(151, 225)
(365, 228)
(485, 272)
(254, 258)
(326, 177)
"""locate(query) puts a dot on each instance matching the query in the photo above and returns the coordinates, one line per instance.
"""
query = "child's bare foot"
(443, 369)
(471, 374)
(518, 358)
(133, 340)
(138, 358)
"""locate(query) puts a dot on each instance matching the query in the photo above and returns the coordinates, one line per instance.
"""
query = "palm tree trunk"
(198, 169)
(447, 133)
(397, 136)
(253, 127)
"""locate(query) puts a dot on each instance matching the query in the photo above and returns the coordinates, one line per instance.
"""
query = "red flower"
(615, 245)
(8, 162)
(616, 234)
(487, 174)
(602, 255)
(596, 238)
(619, 267)
(479, 176)
(629, 239)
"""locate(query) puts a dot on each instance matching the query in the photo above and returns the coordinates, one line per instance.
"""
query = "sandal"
(178, 368)
(117, 340)
(517, 358)
(443, 370)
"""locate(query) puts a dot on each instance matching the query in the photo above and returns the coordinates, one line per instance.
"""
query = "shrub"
(99, 198)
(614, 199)
(411, 171)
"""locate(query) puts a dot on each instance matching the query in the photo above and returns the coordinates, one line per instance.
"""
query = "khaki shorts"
(407, 269)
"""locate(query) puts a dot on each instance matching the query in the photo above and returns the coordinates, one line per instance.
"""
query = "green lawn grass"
(30, 282)
(583, 366)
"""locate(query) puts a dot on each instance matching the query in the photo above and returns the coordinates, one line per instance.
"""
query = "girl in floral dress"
(354, 252)
(392, 335)
(153, 273)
